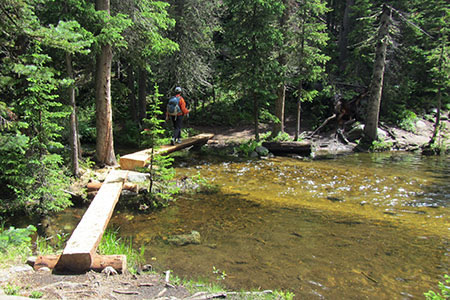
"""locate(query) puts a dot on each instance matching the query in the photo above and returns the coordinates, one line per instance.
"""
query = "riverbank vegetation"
(267, 62)
(19, 244)
(77, 76)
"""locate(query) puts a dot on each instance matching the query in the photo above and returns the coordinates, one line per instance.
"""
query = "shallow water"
(360, 226)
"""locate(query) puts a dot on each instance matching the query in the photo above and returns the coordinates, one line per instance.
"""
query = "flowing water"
(362, 226)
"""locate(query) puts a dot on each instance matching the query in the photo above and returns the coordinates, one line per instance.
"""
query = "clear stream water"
(362, 226)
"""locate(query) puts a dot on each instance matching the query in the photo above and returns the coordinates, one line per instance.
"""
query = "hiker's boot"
(179, 141)
(172, 142)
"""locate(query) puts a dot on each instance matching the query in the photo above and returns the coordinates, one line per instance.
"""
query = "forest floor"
(327, 139)
(93, 285)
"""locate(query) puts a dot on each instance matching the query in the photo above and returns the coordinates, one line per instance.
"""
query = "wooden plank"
(80, 249)
(99, 262)
(141, 158)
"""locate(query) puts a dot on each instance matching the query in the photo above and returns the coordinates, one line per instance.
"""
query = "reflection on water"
(361, 226)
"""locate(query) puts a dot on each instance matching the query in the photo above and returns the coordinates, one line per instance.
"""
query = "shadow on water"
(361, 226)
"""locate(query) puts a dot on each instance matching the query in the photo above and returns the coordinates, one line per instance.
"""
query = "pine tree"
(252, 35)
(307, 39)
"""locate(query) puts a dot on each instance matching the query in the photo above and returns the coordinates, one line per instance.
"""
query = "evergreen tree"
(252, 34)
(192, 65)
(30, 167)
(307, 38)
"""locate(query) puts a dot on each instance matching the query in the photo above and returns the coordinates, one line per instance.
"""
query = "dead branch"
(126, 292)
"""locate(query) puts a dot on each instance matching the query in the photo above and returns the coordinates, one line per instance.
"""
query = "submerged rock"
(185, 239)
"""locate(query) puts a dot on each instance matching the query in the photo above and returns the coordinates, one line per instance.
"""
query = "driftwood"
(345, 111)
(301, 148)
(126, 292)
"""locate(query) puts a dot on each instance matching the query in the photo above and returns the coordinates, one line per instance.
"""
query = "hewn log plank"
(141, 158)
(118, 262)
(302, 148)
(79, 252)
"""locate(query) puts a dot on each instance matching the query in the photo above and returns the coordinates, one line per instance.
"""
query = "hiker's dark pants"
(177, 122)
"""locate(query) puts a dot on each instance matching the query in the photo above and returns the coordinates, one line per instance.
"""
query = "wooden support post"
(78, 255)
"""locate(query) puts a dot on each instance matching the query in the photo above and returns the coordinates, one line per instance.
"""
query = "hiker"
(176, 109)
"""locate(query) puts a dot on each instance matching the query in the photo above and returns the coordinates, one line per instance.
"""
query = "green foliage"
(86, 119)
(36, 294)
(16, 236)
(281, 137)
(284, 295)
(380, 145)
(112, 244)
(15, 244)
(247, 148)
(220, 274)
(11, 290)
(444, 291)
(111, 28)
(408, 121)
(161, 173)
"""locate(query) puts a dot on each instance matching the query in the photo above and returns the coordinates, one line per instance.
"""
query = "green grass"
(15, 245)
(112, 244)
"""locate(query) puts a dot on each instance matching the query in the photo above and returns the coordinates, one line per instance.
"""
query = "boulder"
(185, 239)
(262, 151)
(138, 177)
(355, 133)
(420, 125)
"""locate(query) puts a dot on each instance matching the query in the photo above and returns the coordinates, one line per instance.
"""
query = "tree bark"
(279, 109)
(439, 104)
(142, 94)
(299, 109)
(105, 142)
(280, 102)
(74, 141)
(256, 115)
(376, 86)
(132, 95)
(343, 36)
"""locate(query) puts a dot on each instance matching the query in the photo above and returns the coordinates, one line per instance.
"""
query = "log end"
(77, 262)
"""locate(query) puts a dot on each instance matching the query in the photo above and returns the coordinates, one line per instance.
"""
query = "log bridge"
(80, 255)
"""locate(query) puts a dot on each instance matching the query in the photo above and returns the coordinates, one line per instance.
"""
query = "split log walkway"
(79, 255)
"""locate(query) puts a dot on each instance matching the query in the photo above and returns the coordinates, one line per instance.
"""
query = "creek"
(372, 226)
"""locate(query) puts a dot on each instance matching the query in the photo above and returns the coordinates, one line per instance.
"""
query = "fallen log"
(303, 148)
(99, 262)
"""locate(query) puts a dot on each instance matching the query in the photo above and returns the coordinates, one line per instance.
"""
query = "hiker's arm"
(183, 106)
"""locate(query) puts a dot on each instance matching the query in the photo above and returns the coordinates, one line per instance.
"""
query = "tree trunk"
(105, 142)
(343, 36)
(299, 109)
(132, 94)
(280, 102)
(376, 86)
(256, 115)
(279, 109)
(142, 94)
(439, 104)
(73, 121)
